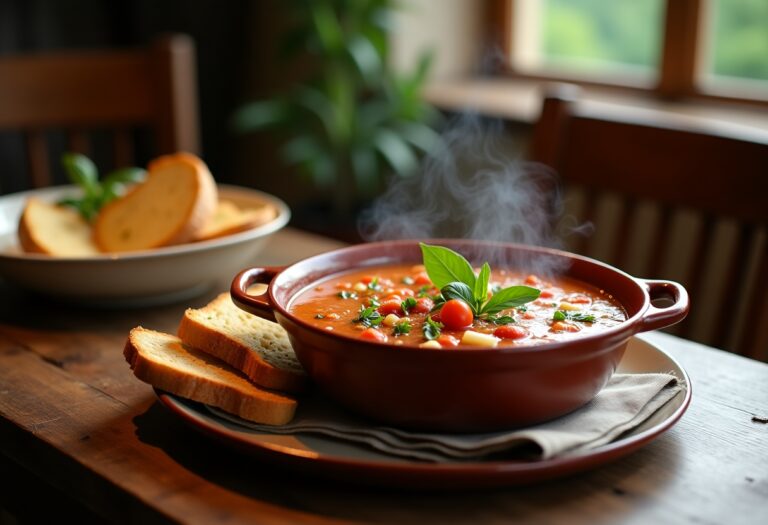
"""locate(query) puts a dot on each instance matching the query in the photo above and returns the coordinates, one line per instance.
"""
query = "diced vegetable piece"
(423, 305)
(359, 287)
(478, 339)
(510, 332)
(568, 306)
(390, 306)
(562, 326)
(447, 340)
(430, 344)
(390, 320)
(371, 334)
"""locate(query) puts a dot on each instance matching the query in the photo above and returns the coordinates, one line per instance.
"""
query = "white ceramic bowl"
(136, 278)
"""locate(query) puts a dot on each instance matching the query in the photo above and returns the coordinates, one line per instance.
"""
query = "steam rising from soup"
(470, 188)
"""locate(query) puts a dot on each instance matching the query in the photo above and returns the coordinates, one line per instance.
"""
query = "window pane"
(589, 37)
(738, 39)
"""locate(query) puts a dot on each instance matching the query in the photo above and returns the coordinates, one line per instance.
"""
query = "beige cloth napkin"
(627, 401)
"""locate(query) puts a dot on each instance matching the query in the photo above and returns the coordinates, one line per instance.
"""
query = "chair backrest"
(671, 197)
(120, 91)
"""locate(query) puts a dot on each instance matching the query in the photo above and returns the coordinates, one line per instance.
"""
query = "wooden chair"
(116, 90)
(689, 201)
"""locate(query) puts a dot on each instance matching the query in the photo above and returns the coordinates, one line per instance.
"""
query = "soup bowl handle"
(660, 317)
(256, 304)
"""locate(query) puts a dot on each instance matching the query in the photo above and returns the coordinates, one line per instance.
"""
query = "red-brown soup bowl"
(462, 389)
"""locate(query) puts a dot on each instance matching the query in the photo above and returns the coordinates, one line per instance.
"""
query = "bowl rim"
(618, 333)
(226, 190)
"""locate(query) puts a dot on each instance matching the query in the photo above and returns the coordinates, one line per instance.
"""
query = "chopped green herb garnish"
(407, 280)
(368, 317)
(581, 317)
(374, 301)
(319, 316)
(345, 294)
(403, 327)
(408, 304)
(500, 319)
(454, 276)
(424, 291)
(431, 329)
(374, 284)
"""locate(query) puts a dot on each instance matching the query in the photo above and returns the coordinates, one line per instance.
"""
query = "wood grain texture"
(74, 417)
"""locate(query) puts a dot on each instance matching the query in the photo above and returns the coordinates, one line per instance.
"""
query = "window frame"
(678, 69)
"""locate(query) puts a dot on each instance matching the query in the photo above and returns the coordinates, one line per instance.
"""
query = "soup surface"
(399, 305)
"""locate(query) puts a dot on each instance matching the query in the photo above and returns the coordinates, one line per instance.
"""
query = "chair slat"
(623, 232)
(78, 141)
(736, 273)
(37, 158)
(122, 145)
(754, 335)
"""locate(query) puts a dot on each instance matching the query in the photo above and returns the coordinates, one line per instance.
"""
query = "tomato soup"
(399, 305)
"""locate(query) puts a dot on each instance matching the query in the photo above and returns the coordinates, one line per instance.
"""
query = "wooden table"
(80, 436)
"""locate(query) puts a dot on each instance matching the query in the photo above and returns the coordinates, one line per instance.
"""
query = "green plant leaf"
(365, 57)
(481, 284)
(457, 290)
(445, 266)
(259, 115)
(327, 26)
(421, 136)
(396, 151)
(125, 176)
(82, 172)
(510, 298)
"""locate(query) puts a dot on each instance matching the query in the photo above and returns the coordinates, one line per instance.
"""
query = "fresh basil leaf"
(581, 317)
(81, 171)
(445, 266)
(406, 305)
(459, 291)
(424, 291)
(510, 298)
(125, 176)
(431, 329)
(500, 319)
(481, 284)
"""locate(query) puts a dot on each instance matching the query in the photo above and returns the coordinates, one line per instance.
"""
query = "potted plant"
(353, 122)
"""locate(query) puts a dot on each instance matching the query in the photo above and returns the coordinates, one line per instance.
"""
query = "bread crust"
(229, 390)
(72, 239)
(190, 220)
(233, 351)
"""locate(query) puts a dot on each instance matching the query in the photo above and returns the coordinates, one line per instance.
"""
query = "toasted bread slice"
(171, 206)
(229, 219)
(164, 362)
(56, 230)
(257, 347)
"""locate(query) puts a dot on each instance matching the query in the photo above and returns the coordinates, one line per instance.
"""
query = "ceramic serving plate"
(136, 278)
(326, 457)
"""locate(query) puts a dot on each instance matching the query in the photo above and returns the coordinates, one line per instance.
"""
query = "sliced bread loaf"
(164, 362)
(177, 199)
(229, 219)
(257, 347)
(54, 230)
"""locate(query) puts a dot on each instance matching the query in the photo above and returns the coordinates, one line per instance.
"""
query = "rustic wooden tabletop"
(81, 437)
